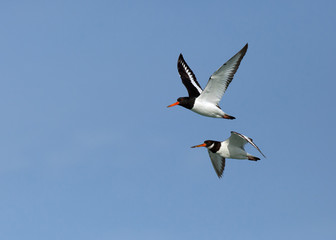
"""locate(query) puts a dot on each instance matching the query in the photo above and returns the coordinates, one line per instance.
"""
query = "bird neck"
(215, 146)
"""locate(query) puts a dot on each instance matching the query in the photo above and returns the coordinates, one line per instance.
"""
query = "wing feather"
(221, 79)
(240, 140)
(188, 78)
(218, 163)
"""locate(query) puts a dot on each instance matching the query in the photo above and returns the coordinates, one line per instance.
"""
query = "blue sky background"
(90, 151)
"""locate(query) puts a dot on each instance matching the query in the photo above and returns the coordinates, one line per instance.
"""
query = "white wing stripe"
(192, 80)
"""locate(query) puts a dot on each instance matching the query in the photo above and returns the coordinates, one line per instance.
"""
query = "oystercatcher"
(233, 147)
(205, 102)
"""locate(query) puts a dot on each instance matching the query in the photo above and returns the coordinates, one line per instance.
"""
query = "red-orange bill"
(174, 104)
(201, 145)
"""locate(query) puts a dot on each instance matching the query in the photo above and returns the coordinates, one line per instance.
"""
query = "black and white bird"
(205, 102)
(233, 147)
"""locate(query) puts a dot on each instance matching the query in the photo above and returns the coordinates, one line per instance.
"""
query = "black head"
(186, 102)
(213, 146)
(208, 143)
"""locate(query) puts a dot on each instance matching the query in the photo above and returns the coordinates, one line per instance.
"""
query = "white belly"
(207, 109)
(229, 151)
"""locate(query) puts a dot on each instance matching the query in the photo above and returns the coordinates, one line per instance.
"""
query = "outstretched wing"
(218, 163)
(220, 80)
(188, 78)
(240, 140)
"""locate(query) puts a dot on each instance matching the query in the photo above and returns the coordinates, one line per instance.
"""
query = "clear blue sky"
(90, 151)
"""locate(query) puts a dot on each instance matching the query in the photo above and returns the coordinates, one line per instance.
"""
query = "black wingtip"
(244, 49)
(180, 59)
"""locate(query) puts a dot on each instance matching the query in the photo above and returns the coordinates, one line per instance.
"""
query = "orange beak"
(201, 145)
(174, 104)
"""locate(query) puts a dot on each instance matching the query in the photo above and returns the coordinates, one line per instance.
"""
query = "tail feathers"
(253, 158)
(226, 116)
